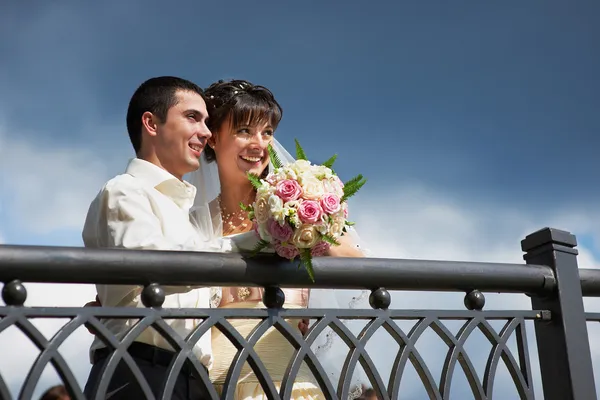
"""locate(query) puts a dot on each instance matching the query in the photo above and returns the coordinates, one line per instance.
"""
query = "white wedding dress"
(273, 349)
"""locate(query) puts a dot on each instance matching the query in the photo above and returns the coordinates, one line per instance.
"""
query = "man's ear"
(150, 123)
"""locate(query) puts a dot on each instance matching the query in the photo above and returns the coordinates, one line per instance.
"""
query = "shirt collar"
(181, 192)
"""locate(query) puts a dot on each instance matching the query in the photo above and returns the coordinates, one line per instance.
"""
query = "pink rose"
(279, 232)
(330, 203)
(345, 207)
(285, 250)
(288, 190)
(309, 211)
(255, 229)
(320, 249)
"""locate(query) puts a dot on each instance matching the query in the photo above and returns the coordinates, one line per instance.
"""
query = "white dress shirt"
(147, 208)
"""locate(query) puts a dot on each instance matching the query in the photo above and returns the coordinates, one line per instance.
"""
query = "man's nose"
(205, 132)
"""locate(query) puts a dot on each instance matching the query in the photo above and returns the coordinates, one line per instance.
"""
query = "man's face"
(180, 140)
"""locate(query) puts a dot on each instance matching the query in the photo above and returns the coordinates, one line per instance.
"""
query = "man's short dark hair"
(55, 393)
(156, 95)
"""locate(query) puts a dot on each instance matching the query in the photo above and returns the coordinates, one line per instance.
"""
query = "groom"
(147, 207)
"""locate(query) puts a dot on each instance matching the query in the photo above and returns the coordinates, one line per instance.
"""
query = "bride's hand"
(303, 326)
(95, 303)
(347, 248)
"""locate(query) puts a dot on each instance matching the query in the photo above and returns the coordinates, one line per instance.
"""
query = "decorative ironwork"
(273, 297)
(380, 299)
(518, 365)
(14, 293)
(474, 300)
(153, 295)
(551, 278)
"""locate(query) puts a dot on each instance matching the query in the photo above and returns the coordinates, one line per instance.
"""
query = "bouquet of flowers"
(301, 209)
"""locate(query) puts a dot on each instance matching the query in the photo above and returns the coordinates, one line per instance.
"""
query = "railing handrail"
(140, 267)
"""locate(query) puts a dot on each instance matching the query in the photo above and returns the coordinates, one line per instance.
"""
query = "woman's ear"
(212, 141)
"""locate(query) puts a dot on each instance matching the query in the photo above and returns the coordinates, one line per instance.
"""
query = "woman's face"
(242, 149)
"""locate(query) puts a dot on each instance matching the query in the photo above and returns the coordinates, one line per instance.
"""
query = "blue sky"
(492, 101)
(476, 122)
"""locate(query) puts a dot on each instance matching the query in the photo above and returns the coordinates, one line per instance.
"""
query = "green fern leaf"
(255, 180)
(275, 160)
(300, 154)
(354, 180)
(329, 162)
(306, 260)
(353, 187)
(331, 240)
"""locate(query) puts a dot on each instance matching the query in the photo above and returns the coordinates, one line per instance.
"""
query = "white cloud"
(50, 188)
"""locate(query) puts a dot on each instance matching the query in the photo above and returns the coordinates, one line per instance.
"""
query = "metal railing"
(550, 277)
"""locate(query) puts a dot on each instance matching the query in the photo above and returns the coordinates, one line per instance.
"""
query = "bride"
(243, 120)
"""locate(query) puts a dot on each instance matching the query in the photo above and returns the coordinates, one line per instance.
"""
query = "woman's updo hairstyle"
(243, 103)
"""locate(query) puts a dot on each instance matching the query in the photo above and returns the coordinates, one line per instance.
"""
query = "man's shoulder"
(122, 183)
(121, 186)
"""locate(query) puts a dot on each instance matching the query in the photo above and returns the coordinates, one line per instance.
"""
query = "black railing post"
(563, 343)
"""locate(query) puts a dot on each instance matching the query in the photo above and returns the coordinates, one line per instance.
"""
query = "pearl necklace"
(241, 216)
(242, 292)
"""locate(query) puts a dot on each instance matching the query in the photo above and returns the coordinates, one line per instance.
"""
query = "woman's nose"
(259, 141)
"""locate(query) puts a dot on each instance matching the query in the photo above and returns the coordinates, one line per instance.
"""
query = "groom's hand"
(95, 303)
(303, 326)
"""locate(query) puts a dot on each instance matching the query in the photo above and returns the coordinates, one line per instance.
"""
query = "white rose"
(290, 174)
(300, 166)
(331, 186)
(305, 237)
(322, 172)
(312, 188)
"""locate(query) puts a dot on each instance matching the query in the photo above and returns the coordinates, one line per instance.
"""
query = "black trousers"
(153, 363)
